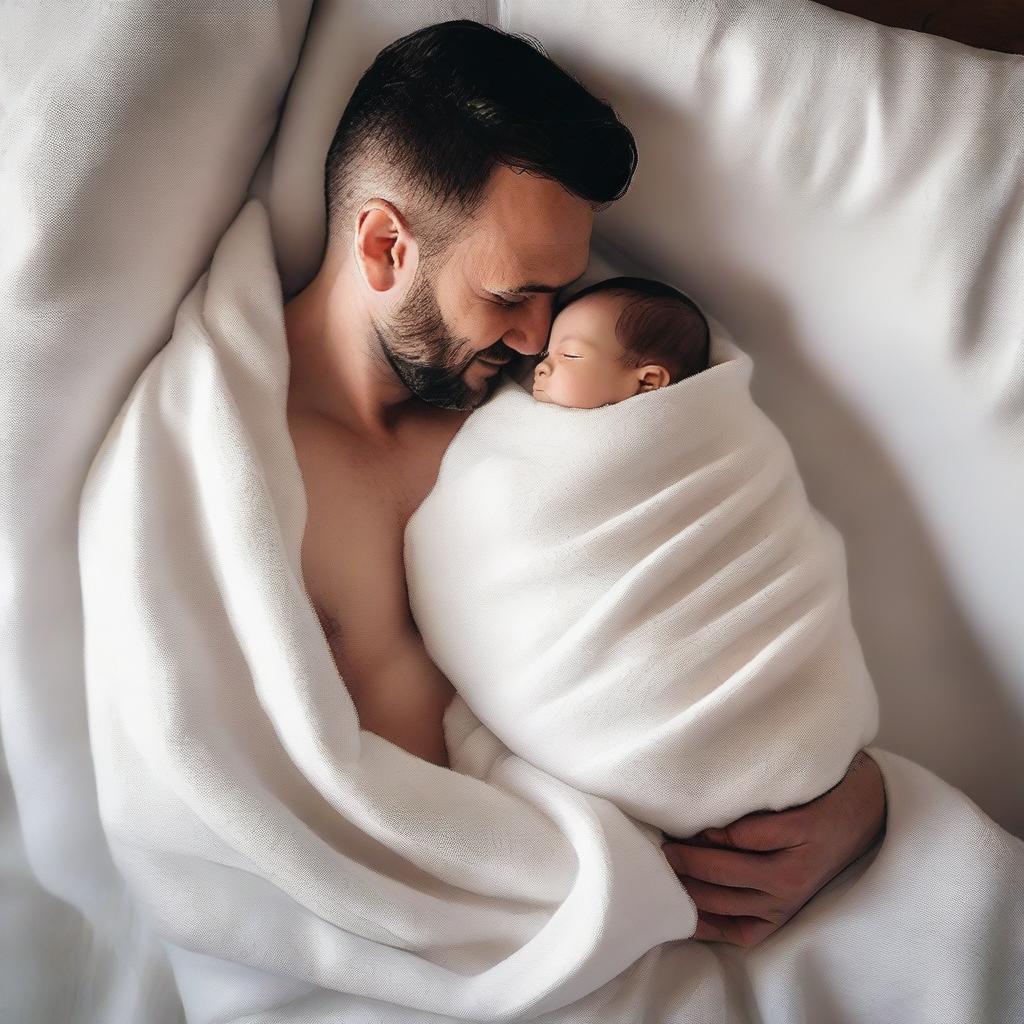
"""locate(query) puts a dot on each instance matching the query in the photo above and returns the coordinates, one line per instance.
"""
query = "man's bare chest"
(359, 499)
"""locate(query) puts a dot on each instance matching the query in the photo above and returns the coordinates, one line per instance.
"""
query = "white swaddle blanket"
(640, 600)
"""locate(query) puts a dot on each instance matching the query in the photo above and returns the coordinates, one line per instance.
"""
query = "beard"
(428, 359)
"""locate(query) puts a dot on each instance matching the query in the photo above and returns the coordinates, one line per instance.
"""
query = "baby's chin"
(543, 396)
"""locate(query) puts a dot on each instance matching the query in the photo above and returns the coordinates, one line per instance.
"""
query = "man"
(461, 187)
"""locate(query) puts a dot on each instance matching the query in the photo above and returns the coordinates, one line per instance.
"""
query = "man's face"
(491, 300)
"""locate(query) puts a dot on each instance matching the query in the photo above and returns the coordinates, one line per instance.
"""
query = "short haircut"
(441, 108)
(658, 324)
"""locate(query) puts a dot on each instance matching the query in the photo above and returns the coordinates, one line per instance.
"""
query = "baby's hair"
(660, 325)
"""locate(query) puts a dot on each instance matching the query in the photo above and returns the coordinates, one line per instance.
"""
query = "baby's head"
(618, 338)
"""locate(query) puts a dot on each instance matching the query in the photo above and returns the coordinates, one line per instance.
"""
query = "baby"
(636, 597)
(618, 338)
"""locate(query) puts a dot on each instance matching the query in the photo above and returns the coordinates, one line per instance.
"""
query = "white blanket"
(348, 880)
(640, 600)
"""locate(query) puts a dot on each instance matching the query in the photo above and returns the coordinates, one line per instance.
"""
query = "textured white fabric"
(259, 827)
(640, 600)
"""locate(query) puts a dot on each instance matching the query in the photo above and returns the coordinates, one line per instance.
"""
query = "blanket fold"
(640, 600)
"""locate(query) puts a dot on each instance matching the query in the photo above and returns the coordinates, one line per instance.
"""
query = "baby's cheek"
(588, 391)
(569, 390)
(597, 382)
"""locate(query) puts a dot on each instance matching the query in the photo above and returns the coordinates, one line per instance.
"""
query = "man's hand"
(751, 877)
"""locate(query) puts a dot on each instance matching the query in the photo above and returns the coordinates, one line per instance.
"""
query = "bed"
(846, 197)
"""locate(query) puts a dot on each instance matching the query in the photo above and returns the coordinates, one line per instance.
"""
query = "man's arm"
(751, 877)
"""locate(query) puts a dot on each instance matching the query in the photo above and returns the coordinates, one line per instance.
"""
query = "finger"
(762, 831)
(722, 867)
(733, 902)
(739, 931)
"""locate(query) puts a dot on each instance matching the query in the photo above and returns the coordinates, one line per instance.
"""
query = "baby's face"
(580, 368)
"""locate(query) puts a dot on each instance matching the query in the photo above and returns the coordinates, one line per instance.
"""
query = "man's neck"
(335, 370)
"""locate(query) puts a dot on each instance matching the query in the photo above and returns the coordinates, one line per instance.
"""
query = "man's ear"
(652, 377)
(385, 249)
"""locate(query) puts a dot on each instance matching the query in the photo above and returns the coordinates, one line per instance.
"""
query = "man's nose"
(530, 333)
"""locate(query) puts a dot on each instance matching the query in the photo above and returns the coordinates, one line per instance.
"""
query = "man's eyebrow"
(536, 286)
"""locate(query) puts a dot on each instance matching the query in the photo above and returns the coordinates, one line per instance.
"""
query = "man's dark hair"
(440, 108)
(658, 324)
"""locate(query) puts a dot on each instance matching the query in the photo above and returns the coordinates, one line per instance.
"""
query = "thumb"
(762, 831)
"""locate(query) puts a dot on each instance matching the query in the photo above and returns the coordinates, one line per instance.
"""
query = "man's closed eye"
(507, 303)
